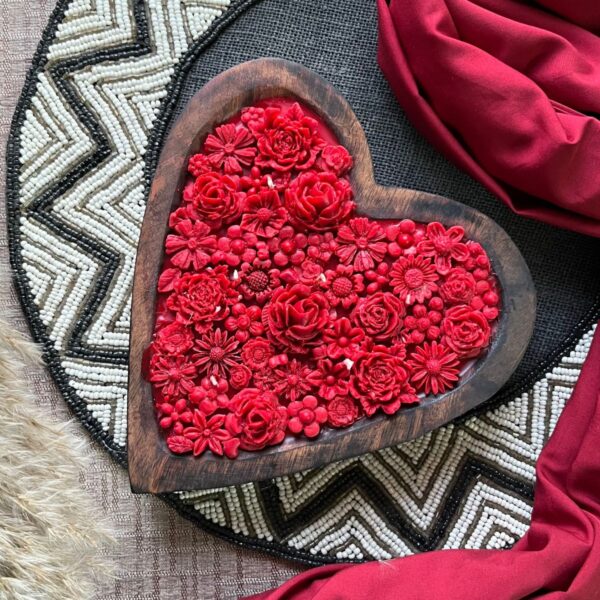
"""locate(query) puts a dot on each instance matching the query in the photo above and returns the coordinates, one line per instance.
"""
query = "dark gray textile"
(338, 40)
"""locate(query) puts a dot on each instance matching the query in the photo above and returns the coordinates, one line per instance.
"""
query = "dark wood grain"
(152, 468)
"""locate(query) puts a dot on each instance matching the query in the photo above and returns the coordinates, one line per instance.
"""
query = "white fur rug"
(51, 543)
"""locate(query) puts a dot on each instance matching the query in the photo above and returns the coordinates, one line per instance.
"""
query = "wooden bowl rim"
(152, 467)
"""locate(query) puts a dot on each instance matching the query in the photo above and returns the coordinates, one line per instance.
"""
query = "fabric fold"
(509, 92)
(558, 558)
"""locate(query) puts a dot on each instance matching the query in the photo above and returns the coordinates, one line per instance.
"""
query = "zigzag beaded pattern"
(85, 141)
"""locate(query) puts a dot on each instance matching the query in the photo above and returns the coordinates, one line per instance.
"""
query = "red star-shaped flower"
(216, 352)
(434, 367)
(192, 246)
(413, 279)
(361, 243)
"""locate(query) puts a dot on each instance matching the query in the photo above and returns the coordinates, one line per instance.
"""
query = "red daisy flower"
(231, 147)
(444, 244)
(264, 215)
(192, 245)
(434, 367)
(343, 286)
(256, 353)
(413, 279)
(330, 378)
(199, 164)
(172, 375)
(258, 280)
(216, 352)
(342, 341)
(292, 380)
(362, 243)
(211, 434)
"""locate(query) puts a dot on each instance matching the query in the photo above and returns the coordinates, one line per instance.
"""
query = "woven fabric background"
(158, 553)
(477, 490)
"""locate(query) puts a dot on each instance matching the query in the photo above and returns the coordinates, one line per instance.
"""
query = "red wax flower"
(256, 353)
(192, 246)
(211, 434)
(379, 381)
(379, 315)
(342, 340)
(444, 244)
(466, 331)
(214, 198)
(296, 316)
(174, 338)
(361, 244)
(336, 159)
(258, 280)
(259, 419)
(172, 375)
(263, 214)
(244, 321)
(342, 412)
(230, 147)
(434, 368)
(413, 279)
(459, 287)
(286, 139)
(279, 310)
(216, 352)
(199, 299)
(306, 416)
(318, 201)
(330, 378)
(343, 286)
(291, 380)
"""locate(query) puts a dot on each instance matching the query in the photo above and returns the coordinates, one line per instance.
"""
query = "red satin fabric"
(508, 91)
(559, 557)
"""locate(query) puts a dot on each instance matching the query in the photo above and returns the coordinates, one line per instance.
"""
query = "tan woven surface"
(159, 554)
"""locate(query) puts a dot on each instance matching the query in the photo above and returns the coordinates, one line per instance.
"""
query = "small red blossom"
(256, 353)
(211, 434)
(236, 246)
(210, 395)
(244, 321)
(459, 286)
(434, 368)
(216, 352)
(331, 379)
(239, 376)
(321, 246)
(443, 245)
(258, 280)
(361, 243)
(230, 147)
(199, 164)
(343, 286)
(306, 416)
(172, 375)
(263, 214)
(288, 247)
(256, 181)
(175, 415)
(192, 246)
(336, 159)
(292, 380)
(342, 340)
(413, 279)
(465, 331)
(174, 338)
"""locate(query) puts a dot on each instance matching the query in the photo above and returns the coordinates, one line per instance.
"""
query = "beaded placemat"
(107, 81)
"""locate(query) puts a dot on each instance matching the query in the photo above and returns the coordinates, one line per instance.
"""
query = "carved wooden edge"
(152, 467)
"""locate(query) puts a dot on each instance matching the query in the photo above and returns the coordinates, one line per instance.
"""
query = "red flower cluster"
(282, 312)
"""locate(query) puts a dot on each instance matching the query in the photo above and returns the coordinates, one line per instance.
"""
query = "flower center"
(362, 243)
(342, 286)
(258, 281)
(229, 148)
(174, 374)
(192, 243)
(443, 245)
(263, 214)
(216, 354)
(433, 366)
(414, 278)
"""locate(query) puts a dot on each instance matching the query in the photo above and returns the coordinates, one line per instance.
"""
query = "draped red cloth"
(558, 558)
(508, 91)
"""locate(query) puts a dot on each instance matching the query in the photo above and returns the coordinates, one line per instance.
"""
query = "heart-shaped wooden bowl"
(152, 467)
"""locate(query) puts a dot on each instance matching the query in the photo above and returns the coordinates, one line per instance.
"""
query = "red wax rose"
(174, 338)
(239, 376)
(296, 316)
(259, 419)
(318, 201)
(466, 331)
(379, 315)
(256, 353)
(458, 287)
(379, 380)
(214, 198)
(199, 299)
(342, 412)
(286, 139)
(336, 159)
